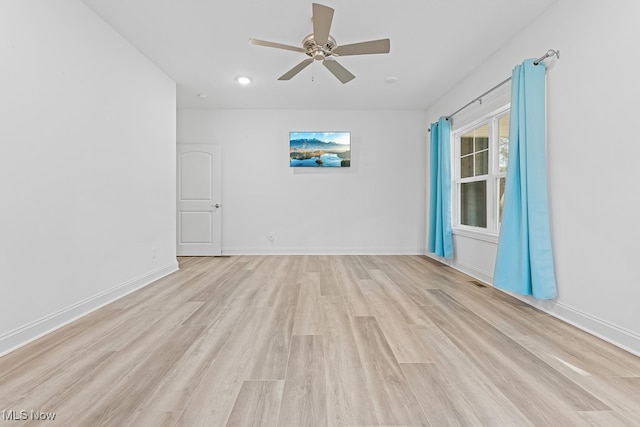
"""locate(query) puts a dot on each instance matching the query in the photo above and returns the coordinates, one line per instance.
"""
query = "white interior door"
(199, 200)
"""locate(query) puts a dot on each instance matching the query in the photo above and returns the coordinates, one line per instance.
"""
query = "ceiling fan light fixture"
(243, 80)
(321, 46)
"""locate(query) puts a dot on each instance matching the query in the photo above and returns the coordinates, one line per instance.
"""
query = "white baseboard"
(613, 334)
(474, 272)
(32, 331)
(620, 337)
(275, 250)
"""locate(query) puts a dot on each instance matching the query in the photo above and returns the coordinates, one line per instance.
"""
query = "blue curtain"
(524, 262)
(440, 236)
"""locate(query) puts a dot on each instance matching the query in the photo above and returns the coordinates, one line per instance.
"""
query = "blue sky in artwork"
(337, 137)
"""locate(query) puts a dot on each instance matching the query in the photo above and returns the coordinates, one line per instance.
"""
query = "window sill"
(473, 233)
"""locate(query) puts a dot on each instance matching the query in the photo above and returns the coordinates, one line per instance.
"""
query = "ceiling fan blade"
(295, 70)
(338, 70)
(276, 45)
(322, 17)
(364, 48)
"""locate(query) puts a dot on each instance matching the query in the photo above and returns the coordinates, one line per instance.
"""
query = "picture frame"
(320, 149)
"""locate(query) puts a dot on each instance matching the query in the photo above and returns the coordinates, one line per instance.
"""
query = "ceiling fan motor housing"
(316, 51)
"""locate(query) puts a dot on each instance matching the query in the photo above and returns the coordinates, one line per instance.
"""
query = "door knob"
(217, 205)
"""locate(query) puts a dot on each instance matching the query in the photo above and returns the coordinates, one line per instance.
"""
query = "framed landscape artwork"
(320, 149)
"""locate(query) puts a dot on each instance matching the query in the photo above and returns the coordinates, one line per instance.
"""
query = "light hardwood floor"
(320, 340)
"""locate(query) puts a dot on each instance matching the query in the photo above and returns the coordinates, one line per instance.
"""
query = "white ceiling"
(203, 45)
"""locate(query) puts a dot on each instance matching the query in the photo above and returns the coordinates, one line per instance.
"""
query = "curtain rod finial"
(550, 52)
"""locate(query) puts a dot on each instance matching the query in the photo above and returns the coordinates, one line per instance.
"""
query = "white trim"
(470, 125)
(490, 119)
(479, 234)
(613, 334)
(321, 251)
(34, 330)
(484, 276)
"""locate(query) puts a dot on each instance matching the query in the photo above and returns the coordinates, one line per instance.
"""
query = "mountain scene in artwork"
(319, 149)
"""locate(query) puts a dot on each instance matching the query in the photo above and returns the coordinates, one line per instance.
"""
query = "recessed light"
(391, 80)
(243, 80)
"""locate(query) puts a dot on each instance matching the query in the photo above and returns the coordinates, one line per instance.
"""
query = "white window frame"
(491, 232)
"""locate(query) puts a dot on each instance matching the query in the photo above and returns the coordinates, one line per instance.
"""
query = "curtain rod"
(550, 52)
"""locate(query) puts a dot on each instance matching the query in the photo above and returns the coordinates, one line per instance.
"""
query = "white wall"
(375, 206)
(592, 95)
(87, 167)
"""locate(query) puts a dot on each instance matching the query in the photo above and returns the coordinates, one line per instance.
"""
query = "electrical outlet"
(272, 236)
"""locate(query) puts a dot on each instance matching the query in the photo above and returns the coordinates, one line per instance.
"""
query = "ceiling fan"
(320, 46)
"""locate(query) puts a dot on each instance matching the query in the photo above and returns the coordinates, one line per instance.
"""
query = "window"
(481, 153)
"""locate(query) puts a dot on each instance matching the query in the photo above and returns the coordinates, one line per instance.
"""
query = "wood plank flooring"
(320, 341)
